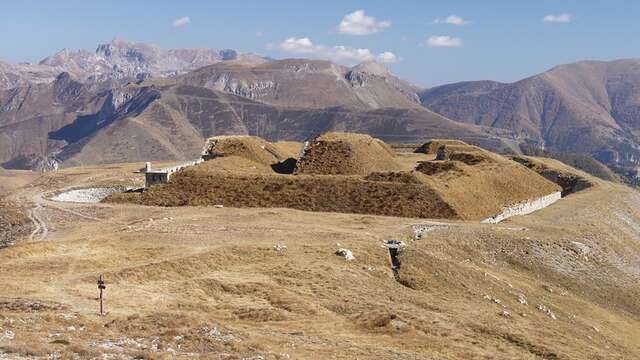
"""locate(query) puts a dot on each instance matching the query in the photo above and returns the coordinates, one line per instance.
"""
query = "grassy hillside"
(561, 283)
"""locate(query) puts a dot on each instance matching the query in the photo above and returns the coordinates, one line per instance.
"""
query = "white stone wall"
(524, 208)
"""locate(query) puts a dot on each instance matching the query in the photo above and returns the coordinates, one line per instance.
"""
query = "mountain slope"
(71, 122)
(174, 125)
(308, 83)
(589, 107)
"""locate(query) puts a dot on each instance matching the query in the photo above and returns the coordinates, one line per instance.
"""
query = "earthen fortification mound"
(571, 180)
(468, 154)
(346, 194)
(437, 167)
(432, 146)
(404, 177)
(249, 147)
(476, 182)
(346, 154)
(353, 173)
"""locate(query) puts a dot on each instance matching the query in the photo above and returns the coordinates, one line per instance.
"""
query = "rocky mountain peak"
(119, 60)
(372, 67)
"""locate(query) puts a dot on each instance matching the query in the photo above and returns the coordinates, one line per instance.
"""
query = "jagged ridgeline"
(148, 104)
(352, 173)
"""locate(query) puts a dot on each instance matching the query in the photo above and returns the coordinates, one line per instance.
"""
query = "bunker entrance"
(395, 248)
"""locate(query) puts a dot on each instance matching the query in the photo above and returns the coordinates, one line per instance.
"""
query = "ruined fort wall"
(161, 176)
(524, 208)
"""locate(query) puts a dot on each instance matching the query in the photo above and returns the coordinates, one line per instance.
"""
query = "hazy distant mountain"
(119, 60)
(68, 122)
(590, 107)
(308, 83)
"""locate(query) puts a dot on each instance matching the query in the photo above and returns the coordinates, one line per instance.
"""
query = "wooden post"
(101, 287)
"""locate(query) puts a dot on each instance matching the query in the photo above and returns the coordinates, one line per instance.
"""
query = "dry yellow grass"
(203, 281)
(477, 183)
(346, 154)
(10, 180)
(249, 147)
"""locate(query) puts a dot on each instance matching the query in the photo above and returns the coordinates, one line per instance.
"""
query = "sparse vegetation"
(205, 281)
(583, 162)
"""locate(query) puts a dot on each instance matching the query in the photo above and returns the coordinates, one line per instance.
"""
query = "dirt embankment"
(346, 194)
(571, 180)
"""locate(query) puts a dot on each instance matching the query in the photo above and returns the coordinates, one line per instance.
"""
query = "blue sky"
(426, 42)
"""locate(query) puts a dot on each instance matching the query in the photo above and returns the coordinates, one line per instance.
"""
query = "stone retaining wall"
(161, 176)
(524, 208)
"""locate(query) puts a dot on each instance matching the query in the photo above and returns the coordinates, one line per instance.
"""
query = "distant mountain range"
(69, 122)
(118, 60)
(589, 107)
(132, 102)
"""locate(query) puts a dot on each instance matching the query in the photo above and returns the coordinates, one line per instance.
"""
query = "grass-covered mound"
(346, 154)
(249, 147)
(478, 183)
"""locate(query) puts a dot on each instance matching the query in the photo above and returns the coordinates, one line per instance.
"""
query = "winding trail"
(35, 215)
(41, 230)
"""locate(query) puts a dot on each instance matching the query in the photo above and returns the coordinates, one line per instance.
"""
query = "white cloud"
(183, 21)
(358, 23)
(453, 20)
(443, 41)
(259, 33)
(298, 46)
(337, 53)
(559, 18)
(387, 57)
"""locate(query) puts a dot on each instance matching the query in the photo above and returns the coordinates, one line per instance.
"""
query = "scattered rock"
(421, 229)
(7, 335)
(29, 305)
(505, 313)
(398, 324)
(218, 206)
(280, 247)
(495, 300)
(522, 299)
(580, 248)
(547, 311)
(516, 228)
(346, 254)
(218, 334)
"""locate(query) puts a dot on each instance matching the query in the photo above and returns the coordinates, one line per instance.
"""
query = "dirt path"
(41, 229)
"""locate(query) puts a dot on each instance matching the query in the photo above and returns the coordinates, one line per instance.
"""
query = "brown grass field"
(212, 283)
